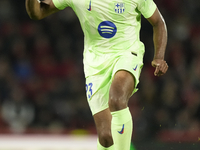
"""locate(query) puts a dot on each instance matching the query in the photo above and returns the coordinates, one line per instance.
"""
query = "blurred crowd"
(42, 85)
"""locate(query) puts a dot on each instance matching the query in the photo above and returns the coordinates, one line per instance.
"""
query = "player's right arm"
(39, 9)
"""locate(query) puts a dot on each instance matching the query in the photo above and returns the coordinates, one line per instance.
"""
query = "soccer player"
(113, 58)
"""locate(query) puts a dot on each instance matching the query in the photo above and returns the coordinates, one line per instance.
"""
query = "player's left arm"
(160, 42)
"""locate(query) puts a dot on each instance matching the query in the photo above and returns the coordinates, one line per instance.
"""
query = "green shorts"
(98, 85)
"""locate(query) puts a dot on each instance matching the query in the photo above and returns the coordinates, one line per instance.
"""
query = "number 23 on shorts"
(89, 90)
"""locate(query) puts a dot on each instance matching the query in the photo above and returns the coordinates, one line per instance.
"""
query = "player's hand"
(160, 65)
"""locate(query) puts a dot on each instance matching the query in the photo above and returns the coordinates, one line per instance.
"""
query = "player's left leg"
(121, 125)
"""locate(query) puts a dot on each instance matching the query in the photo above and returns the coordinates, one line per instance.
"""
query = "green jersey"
(110, 27)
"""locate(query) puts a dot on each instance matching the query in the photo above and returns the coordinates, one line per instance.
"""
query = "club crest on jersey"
(119, 8)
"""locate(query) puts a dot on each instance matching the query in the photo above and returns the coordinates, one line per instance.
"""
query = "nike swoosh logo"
(135, 68)
(122, 131)
(89, 9)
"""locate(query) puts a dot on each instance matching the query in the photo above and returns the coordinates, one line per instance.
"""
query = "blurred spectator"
(17, 111)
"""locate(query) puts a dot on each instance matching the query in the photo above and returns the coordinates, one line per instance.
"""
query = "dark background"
(42, 87)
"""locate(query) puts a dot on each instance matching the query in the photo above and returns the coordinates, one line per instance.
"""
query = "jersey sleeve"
(61, 4)
(146, 7)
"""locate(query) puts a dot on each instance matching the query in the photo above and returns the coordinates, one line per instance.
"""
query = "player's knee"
(105, 138)
(117, 103)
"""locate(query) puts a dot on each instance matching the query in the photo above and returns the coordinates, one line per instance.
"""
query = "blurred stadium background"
(42, 89)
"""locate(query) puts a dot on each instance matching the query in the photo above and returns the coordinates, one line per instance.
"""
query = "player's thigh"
(121, 89)
(125, 78)
(122, 84)
(97, 92)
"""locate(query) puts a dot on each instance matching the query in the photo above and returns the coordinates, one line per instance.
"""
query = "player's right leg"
(103, 125)
(97, 92)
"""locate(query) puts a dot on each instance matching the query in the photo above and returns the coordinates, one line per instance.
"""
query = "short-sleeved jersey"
(109, 26)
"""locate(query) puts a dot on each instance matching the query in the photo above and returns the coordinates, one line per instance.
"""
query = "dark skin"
(123, 82)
